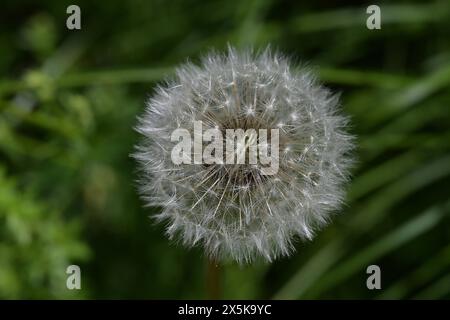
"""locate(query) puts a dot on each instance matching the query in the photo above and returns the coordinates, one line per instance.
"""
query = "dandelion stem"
(213, 279)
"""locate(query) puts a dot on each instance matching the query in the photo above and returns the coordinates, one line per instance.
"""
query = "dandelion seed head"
(234, 211)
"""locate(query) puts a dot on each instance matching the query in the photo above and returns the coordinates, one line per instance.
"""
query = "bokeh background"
(69, 101)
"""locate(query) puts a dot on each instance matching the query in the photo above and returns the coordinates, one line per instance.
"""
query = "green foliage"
(36, 246)
(68, 103)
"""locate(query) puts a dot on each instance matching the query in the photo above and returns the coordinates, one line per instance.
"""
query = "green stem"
(213, 284)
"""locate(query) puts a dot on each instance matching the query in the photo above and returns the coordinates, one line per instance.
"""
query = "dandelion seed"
(235, 211)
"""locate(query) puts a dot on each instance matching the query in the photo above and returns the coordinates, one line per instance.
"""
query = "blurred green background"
(68, 104)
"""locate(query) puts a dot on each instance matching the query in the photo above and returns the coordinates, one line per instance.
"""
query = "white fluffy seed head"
(234, 211)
